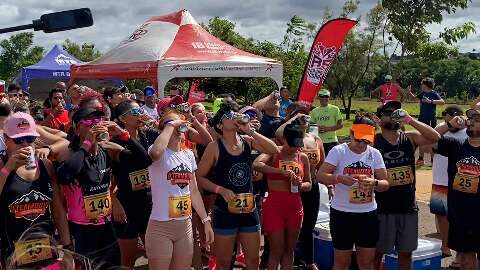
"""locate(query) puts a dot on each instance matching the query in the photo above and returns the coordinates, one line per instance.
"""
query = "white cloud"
(262, 20)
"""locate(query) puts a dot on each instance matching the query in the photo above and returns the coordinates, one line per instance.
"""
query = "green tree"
(407, 21)
(18, 52)
(296, 30)
(85, 52)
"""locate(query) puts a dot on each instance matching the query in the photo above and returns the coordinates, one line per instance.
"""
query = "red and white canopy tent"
(176, 46)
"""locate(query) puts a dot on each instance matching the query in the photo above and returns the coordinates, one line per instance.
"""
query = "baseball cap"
(251, 108)
(388, 77)
(389, 106)
(13, 87)
(363, 132)
(293, 135)
(20, 124)
(85, 112)
(453, 110)
(109, 92)
(324, 92)
(167, 101)
(149, 91)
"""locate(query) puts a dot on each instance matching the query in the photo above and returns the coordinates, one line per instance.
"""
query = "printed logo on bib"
(180, 176)
(399, 176)
(467, 177)
(30, 251)
(139, 180)
(30, 206)
(358, 168)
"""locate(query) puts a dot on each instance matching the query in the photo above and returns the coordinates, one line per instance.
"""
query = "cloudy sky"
(116, 19)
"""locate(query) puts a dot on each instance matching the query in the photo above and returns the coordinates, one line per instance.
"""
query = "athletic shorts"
(438, 200)
(429, 122)
(398, 232)
(464, 238)
(226, 223)
(349, 229)
(282, 210)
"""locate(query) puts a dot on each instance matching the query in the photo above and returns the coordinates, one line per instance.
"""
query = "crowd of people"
(95, 180)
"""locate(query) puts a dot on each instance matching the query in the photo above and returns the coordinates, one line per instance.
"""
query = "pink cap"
(19, 125)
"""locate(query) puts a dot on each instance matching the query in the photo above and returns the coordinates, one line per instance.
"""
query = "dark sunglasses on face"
(90, 122)
(135, 112)
(27, 139)
(324, 96)
(251, 114)
(362, 141)
(15, 95)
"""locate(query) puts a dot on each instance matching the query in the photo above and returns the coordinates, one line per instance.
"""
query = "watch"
(207, 219)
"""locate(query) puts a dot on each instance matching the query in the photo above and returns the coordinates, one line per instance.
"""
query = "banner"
(195, 94)
(2, 86)
(325, 48)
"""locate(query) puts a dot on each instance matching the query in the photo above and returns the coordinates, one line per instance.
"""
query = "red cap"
(165, 102)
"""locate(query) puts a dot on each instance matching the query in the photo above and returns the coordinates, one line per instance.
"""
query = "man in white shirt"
(150, 106)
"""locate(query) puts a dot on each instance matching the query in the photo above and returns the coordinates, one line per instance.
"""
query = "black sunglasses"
(27, 139)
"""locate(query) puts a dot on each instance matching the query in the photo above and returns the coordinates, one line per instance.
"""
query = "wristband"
(167, 122)
(5, 171)
(87, 143)
(376, 183)
(408, 119)
(206, 219)
(124, 136)
(217, 189)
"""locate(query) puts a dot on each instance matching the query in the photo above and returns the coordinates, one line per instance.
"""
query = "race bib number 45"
(31, 251)
(359, 196)
(243, 203)
(98, 205)
(139, 180)
(179, 206)
(465, 183)
(400, 176)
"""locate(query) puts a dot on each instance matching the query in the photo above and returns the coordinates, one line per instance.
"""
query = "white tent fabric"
(176, 46)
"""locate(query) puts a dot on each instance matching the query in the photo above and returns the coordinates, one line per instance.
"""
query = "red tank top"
(294, 165)
(389, 92)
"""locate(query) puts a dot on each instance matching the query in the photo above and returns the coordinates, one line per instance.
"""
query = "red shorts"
(282, 210)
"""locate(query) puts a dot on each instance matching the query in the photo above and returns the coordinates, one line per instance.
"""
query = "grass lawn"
(413, 108)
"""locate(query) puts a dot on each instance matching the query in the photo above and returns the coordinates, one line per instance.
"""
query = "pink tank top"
(76, 206)
(389, 92)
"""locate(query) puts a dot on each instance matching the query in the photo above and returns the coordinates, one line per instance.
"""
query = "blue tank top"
(233, 172)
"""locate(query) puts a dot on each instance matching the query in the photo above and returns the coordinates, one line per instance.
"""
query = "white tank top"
(170, 178)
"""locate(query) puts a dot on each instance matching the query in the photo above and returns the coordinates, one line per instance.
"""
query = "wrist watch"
(207, 219)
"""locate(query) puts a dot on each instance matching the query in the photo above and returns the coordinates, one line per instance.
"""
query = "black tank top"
(400, 163)
(25, 206)
(233, 172)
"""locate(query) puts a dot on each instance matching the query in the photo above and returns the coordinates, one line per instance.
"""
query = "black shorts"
(138, 215)
(226, 223)
(464, 238)
(349, 229)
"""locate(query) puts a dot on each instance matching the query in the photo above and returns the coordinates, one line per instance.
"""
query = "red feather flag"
(325, 48)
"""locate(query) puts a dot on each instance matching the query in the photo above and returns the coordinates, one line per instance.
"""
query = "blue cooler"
(428, 256)
(323, 245)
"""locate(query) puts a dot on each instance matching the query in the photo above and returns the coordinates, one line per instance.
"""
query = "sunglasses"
(135, 112)
(444, 113)
(183, 107)
(363, 141)
(251, 114)
(324, 96)
(15, 95)
(26, 139)
(90, 122)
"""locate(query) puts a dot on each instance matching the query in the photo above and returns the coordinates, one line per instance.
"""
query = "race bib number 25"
(466, 183)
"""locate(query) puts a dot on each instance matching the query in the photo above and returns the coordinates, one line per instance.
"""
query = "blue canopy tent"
(54, 66)
(40, 78)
